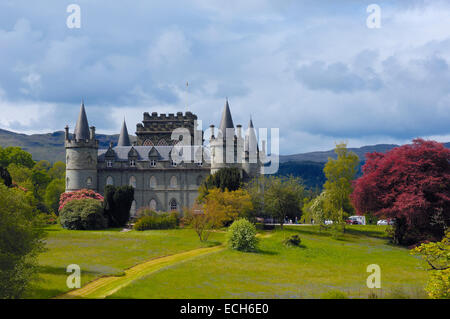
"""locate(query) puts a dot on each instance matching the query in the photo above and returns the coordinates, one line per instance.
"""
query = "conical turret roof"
(82, 127)
(124, 138)
(251, 142)
(226, 121)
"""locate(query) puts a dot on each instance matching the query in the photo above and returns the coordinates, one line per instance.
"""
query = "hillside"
(49, 146)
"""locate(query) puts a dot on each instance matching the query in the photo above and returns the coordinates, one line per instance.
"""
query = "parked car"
(382, 222)
(328, 222)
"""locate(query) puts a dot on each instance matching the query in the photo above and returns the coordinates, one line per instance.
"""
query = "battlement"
(188, 116)
(72, 143)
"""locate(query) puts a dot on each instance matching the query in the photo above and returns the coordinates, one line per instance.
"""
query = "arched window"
(152, 204)
(152, 182)
(67, 182)
(173, 204)
(109, 180)
(133, 209)
(89, 181)
(132, 181)
(173, 182)
(199, 179)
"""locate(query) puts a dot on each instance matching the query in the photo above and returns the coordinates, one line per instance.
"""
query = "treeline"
(41, 182)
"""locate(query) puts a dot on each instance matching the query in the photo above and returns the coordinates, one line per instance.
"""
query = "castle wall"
(184, 192)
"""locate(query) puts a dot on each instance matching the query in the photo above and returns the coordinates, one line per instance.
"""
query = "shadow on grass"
(265, 252)
(212, 243)
(366, 232)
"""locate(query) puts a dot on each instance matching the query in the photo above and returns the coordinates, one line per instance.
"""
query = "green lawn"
(320, 265)
(105, 252)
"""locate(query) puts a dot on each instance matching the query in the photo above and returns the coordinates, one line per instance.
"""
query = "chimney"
(92, 133)
(66, 133)
(238, 130)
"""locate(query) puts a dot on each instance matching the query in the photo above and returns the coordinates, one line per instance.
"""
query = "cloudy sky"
(311, 68)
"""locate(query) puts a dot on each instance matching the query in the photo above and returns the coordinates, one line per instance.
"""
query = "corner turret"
(81, 155)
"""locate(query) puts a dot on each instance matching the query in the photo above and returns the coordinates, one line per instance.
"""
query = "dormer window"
(152, 163)
(174, 164)
(109, 163)
(199, 163)
(132, 163)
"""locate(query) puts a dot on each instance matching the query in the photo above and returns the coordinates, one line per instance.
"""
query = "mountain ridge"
(50, 146)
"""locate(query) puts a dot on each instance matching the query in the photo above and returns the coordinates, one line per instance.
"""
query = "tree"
(410, 184)
(5, 177)
(117, 204)
(21, 175)
(201, 221)
(437, 255)
(228, 205)
(255, 187)
(58, 171)
(340, 173)
(53, 193)
(40, 180)
(42, 165)
(20, 243)
(283, 197)
(314, 211)
(14, 154)
(225, 179)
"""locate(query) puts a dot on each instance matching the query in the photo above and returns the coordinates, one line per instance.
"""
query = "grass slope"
(106, 286)
(322, 264)
(101, 253)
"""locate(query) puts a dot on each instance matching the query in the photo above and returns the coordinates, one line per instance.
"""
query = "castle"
(166, 164)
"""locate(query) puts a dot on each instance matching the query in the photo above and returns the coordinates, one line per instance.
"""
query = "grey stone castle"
(152, 164)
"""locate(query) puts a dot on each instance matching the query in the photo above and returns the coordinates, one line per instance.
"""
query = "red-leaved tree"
(79, 194)
(410, 184)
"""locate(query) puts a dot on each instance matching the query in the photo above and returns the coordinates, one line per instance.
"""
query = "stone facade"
(161, 181)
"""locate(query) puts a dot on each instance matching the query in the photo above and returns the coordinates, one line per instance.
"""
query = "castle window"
(152, 163)
(152, 182)
(173, 204)
(132, 163)
(132, 181)
(89, 181)
(67, 182)
(109, 180)
(200, 164)
(152, 205)
(109, 163)
(173, 182)
(174, 164)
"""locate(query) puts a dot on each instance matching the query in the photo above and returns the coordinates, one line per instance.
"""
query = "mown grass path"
(105, 286)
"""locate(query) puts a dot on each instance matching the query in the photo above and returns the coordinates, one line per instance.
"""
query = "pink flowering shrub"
(80, 194)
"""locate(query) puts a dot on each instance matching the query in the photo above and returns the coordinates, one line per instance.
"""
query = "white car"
(382, 222)
(328, 222)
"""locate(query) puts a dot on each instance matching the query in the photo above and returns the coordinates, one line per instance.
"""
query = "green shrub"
(334, 294)
(242, 235)
(158, 221)
(83, 214)
(145, 211)
(293, 240)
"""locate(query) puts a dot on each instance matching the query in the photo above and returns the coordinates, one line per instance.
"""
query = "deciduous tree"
(410, 184)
